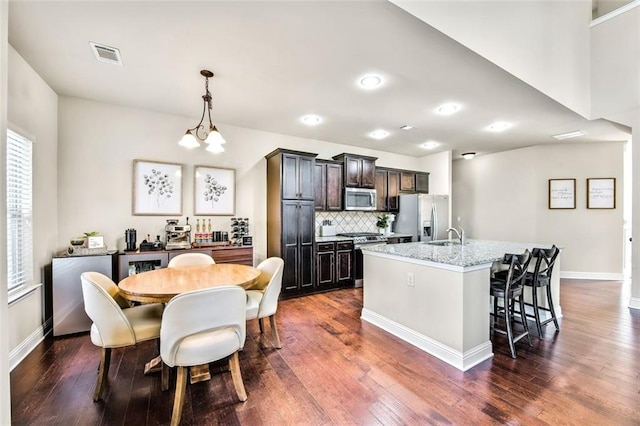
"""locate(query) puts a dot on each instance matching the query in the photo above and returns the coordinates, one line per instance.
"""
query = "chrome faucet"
(460, 235)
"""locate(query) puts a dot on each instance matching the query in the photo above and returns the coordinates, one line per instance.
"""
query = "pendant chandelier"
(212, 138)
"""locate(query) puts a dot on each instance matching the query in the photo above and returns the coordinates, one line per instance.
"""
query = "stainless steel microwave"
(359, 199)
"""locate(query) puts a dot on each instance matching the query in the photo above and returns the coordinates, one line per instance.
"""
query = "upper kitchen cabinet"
(387, 190)
(297, 174)
(422, 182)
(328, 185)
(407, 181)
(411, 181)
(359, 171)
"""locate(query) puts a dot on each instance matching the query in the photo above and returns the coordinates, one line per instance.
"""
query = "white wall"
(5, 392)
(32, 109)
(503, 196)
(439, 168)
(615, 67)
(99, 141)
(543, 43)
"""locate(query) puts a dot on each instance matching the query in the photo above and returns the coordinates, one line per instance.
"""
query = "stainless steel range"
(361, 239)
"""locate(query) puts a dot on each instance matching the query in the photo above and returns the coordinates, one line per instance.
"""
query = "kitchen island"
(437, 297)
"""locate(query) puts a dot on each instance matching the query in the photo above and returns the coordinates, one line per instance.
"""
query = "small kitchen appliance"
(177, 236)
(130, 239)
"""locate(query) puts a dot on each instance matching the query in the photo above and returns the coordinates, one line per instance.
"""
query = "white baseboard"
(27, 345)
(600, 276)
(634, 303)
(462, 361)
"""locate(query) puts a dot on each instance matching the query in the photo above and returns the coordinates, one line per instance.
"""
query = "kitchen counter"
(333, 239)
(437, 297)
(455, 256)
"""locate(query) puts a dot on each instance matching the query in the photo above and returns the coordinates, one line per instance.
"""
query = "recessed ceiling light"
(468, 155)
(569, 135)
(379, 134)
(499, 126)
(448, 109)
(430, 145)
(370, 81)
(311, 120)
(407, 127)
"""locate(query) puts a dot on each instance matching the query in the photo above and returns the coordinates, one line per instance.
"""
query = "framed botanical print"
(214, 191)
(157, 188)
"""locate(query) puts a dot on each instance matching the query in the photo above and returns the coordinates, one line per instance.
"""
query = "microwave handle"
(373, 200)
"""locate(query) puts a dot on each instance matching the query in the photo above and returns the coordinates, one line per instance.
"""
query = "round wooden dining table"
(161, 285)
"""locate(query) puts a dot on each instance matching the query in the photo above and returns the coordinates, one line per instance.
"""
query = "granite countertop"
(474, 252)
(333, 239)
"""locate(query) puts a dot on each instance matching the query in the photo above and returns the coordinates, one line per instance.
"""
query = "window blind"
(19, 211)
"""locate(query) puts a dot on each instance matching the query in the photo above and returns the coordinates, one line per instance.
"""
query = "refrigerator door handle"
(434, 222)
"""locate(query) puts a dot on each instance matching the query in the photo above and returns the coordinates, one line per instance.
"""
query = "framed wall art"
(601, 193)
(157, 188)
(562, 193)
(214, 191)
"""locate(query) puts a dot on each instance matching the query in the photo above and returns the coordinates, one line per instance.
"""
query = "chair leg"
(165, 377)
(261, 325)
(274, 331)
(178, 401)
(495, 310)
(536, 309)
(507, 319)
(103, 373)
(236, 375)
(523, 316)
(553, 311)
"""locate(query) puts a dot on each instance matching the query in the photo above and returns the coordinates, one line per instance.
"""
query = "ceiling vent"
(106, 54)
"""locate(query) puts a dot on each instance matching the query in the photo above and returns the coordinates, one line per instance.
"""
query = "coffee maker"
(130, 239)
(177, 236)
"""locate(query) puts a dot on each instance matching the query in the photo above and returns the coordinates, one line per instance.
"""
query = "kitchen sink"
(443, 243)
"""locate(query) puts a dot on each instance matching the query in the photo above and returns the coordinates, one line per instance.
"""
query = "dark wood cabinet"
(407, 181)
(381, 191)
(297, 177)
(344, 263)
(398, 240)
(334, 264)
(422, 182)
(325, 265)
(328, 186)
(387, 190)
(359, 171)
(135, 262)
(291, 217)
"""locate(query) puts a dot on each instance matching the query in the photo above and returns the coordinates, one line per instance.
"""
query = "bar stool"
(541, 278)
(508, 290)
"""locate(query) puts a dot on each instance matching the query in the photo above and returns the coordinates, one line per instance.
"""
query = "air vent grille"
(106, 54)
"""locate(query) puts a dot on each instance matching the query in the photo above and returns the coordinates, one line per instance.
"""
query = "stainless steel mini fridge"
(68, 305)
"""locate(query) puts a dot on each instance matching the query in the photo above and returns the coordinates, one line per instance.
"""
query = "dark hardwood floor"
(335, 369)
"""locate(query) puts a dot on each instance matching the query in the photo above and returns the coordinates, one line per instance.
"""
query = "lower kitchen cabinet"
(334, 264)
(298, 230)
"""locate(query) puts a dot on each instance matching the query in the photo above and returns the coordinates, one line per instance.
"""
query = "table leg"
(200, 373)
(153, 366)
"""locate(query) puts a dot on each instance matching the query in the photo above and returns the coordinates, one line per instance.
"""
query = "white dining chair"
(262, 302)
(115, 322)
(200, 327)
(191, 259)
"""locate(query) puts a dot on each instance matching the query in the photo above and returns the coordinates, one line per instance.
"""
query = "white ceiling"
(276, 61)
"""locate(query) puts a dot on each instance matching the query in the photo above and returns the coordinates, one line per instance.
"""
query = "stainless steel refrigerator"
(424, 216)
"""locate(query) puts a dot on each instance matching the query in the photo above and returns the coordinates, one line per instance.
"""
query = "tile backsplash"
(349, 221)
